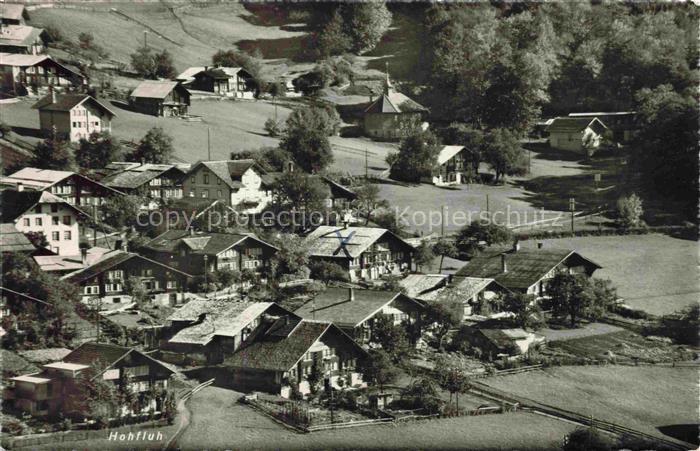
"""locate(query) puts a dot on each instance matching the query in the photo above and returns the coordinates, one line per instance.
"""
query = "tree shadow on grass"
(686, 432)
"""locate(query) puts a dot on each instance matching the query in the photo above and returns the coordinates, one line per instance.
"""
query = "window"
(205, 193)
(38, 222)
(37, 209)
(67, 235)
(55, 236)
(141, 370)
(66, 220)
(26, 222)
(171, 284)
(91, 289)
(194, 179)
(55, 220)
(218, 193)
(206, 179)
(218, 181)
(54, 208)
(146, 272)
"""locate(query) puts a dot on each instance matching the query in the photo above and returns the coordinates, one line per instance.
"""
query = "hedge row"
(689, 232)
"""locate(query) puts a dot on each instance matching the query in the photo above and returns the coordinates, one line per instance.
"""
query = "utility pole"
(366, 166)
(442, 221)
(488, 211)
(94, 229)
(206, 269)
(209, 143)
(572, 207)
(145, 38)
(529, 161)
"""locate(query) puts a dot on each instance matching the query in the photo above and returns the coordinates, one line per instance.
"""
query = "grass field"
(219, 422)
(191, 34)
(655, 273)
(642, 398)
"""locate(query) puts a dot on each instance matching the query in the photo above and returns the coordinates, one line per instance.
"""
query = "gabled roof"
(448, 152)
(189, 73)
(46, 355)
(15, 203)
(200, 242)
(66, 102)
(65, 263)
(132, 176)
(106, 354)
(12, 240)
(280, 352)
(155, 89)
(345, 242)
(574, 124)
(21, 59)
(230, 171)
(41, 179)
(335, 189)
(14, 11)
(417, 285)
(227, 319)
(525, 267)
(110, 260)
(19, 35)
(394, 102)
(334, 305)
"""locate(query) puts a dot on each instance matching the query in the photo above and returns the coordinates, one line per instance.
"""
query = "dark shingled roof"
(12, 364)
(14, 204)
(132, 178)
(12, 240)
(66, 102)
(525, 267)
(105, 353)
(279, 352)
(110, 260)
(199, 242)
(334, 305)
(395, 102)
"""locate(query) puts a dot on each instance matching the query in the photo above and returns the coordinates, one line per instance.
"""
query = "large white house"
(238, 183)
(74, 116)
(45, 213)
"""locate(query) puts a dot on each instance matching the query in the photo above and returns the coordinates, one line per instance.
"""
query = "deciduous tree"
(98, 150)
(416, 158)
(155, 147)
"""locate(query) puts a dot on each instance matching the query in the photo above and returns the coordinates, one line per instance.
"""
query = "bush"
(13, 427)
(629, 211)
(273, 127)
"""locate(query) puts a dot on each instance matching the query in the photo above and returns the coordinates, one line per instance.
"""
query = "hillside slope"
(190, 33)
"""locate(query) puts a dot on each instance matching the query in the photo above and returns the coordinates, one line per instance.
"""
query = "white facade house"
(43, 212)
(74, 116)
(581, 135)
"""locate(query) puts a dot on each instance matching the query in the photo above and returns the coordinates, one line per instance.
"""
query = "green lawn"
(655, 273)
(642, 398)
(219, 422)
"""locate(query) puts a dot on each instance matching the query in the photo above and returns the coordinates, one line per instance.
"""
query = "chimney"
(206, 68)
(20, 186)
(504, 264)
(540, 245)
(351, 294)
(191, 231)
(118, 245)
(83, 255)
(53, 94)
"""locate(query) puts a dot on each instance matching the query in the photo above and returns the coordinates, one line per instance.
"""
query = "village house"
(132, 327)
(291, 351)
(622, 124)
(392, 115)
(504, 343)
(228, 81)
(60, 387)
(355, 311)
(423, 287)
(19, 73)
(74, 188)
(452, 167)
(469, 296)
(104, 284)
(205, 331)
(73, 116)
(44, 213)
(13, 14)
(22, 39)
(160, 98)
(154, 181)
(206, 252)
(336, 195)
(581, 135)
(239, 183)
(366, 253)
(526, 270)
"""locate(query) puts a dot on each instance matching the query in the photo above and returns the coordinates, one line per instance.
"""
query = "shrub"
(629, 211)
(273, 127)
